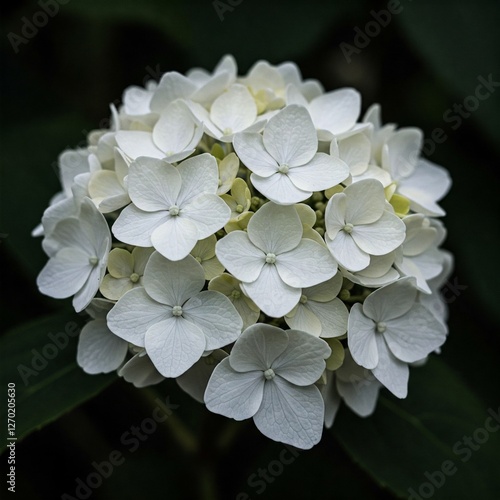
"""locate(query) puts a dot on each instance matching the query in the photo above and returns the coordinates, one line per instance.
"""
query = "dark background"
(58, 86)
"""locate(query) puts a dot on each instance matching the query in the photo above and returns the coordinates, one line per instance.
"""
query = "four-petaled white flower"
(173, 207)
(270, 376)
(273, 261)
(358, 225)
(284, 160)
(391, 329)
(171, 318)
(79, 251)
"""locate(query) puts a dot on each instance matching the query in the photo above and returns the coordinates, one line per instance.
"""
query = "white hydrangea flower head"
(270, 376)
(217, 203)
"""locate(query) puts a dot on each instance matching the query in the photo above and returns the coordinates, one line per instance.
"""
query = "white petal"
(140, 371)
(174, 130)
(273, 296)
(88, 291)
(195, 380)
(356, 152)
(306, 265)
(428, 184)
(134, 313)
(234, 110)
(291, 415)
(336, 111)
(335, 214)
(365, 202)
(174, 345)
(208, 212)
(331, 398)
(390, 371)
(400, 152)
(64, 274)
(414, 335)
(391, 301)
(175, 238)
(153, 184)
(290, 137)
(240, 256)
(361, 338)
(99, 350)
(135, 143)
(347, 253)
(172, 86)
(199, 175)
(234, 394)
(382, 236)
(333, 317)
(322, 172)
(172, 283)
(326, 291)
(279, 188)
(251, 151)
(303, 360)
(275, 228)
(216, 317)
(257, 348)
(302, 318)
(135, 227)
(114, 288)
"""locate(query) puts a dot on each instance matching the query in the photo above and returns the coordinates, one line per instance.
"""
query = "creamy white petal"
(140, 371)
(401, 151)
(361, 338)
(99, 350)
(216, 317)
(290, 137)
(273, 296)
(174, 345)
(290, 414)
(275, 228)
(347, 253)
(365, 202)
(172, 283)
(134, 313)
(135, 143)
(279, 188)
(135, 226)
(234, 394)
(240, 256)
(332, 315)
(251, 151)
(257, 348)
(303, 360)
(199, 175)
(322, 172)
(208, 212)
(175, 238)
(301, 317)
(306, 265)
(415, 335)
(381, 237)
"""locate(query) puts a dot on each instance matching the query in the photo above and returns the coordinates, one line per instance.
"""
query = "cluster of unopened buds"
(254, 239)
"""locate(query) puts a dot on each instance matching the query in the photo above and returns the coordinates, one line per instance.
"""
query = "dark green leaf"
(405, 443)
(40, 359)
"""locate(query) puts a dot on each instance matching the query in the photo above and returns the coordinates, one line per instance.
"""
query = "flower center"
(174, 210)
(239, 208)
(227, 131)
(134, 277)
(235, 294)
(177, 311)
(283, 169)
(303, 299)
(93, 261)
(381, 327)
(348, 228)
(269, 374)
(270, 258)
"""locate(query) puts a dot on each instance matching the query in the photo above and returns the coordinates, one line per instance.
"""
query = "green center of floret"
(269, 374)
(177, 311)
(270, 258)
(174, 210)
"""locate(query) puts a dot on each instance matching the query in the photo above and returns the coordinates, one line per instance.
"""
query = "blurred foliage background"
(57, 84)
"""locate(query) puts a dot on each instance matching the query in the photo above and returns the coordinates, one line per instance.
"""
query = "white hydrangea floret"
(172, 207)
(270, 376)
(172, 318)
(272, 259)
